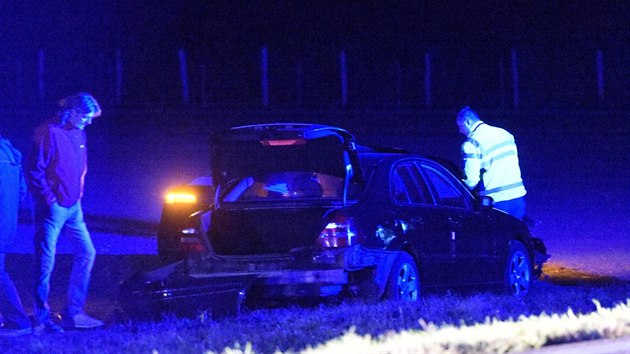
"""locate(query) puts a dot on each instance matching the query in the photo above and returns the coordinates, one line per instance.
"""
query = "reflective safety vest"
(490, 160)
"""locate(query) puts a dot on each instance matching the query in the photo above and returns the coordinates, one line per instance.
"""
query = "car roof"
(373, 155)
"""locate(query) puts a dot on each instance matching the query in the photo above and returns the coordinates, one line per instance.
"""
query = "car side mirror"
(486, 202)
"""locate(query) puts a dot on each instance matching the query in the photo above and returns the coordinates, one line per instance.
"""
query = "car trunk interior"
(246, 158)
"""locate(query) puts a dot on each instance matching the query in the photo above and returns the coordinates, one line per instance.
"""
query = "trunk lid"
(275, 184)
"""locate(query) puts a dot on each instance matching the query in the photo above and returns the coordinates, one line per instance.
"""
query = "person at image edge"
(15, 322)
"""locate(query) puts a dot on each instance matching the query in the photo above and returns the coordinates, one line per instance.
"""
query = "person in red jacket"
(56, 173)
(12, 190)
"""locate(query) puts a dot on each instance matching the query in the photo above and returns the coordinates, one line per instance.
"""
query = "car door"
(472, 234)
(429, 229)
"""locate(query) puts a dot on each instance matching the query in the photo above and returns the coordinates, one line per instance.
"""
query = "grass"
(492, 336)
(565, 307)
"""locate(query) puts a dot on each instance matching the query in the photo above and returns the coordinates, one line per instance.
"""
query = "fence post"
(19, 82)
(427, 80)
(599, 62)
(343, 75)
(502, 83)
(119, 77)
(40, 74)
(204, 98)
(264, 62)
(515, 77)
(398, 85)
(183, 75)
(299, 72)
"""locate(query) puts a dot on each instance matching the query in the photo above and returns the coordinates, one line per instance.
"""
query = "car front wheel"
(404, 280)
(518, 272)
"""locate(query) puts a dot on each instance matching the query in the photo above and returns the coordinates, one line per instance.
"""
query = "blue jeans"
(10, 303)
(514, 207)
(50, 220)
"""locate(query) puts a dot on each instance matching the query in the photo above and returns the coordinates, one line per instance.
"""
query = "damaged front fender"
(540, 255)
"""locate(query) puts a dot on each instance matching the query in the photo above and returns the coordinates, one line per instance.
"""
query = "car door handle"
(454, 222)
(417, 220)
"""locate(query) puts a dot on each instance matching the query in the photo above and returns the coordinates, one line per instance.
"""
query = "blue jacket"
(12, 190)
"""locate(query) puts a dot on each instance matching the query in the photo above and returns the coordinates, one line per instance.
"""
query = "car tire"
(518, 270)
(404, 280)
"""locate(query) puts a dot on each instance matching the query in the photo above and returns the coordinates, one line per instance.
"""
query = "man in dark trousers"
(12, 190)
(56, 173)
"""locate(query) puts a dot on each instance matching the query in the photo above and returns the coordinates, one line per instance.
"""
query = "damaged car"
(299, 211)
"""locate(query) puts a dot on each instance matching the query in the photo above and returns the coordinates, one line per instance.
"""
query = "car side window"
(408, 186)
(399, 192)
(422, 185)
(447, 192)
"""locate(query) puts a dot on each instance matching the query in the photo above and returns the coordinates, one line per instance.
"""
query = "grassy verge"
(492, 336)
(558, 310)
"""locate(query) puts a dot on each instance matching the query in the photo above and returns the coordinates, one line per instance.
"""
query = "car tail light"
(180, 198)
(190, 241)
(338, 234)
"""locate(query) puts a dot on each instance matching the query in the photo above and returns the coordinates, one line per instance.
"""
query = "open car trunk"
(275, 183)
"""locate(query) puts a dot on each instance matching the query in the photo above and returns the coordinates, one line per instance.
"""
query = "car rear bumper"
(147, 296)
(290, 282)
(170, 290)
(222, 284)
(320, 274)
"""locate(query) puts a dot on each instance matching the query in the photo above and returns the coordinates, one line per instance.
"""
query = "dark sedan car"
(300, 211)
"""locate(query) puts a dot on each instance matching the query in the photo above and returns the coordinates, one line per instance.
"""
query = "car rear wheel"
(518, 272)
(404, 280)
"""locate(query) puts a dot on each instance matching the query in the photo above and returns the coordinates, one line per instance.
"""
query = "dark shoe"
(82, 321)
(7, 330)
(47, 327)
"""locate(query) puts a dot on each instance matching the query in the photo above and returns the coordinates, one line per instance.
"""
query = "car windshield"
(289, 186)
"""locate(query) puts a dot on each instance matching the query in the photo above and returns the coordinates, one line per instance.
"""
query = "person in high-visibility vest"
(490, 163)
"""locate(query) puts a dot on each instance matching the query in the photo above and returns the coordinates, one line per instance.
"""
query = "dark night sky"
(226, 37)
(89, 24)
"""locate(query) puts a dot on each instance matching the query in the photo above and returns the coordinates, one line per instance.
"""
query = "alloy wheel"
(519, 275)
(407, 283)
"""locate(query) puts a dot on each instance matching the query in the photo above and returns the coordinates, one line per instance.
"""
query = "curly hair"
(81, 101)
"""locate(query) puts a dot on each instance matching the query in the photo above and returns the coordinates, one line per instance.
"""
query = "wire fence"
(553, 75)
